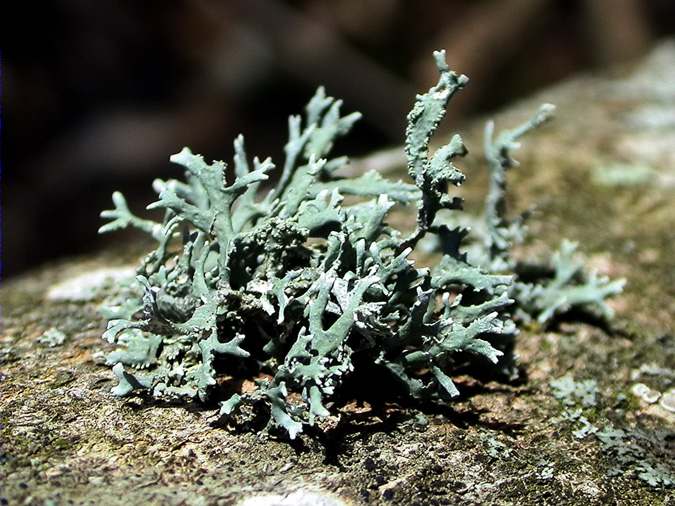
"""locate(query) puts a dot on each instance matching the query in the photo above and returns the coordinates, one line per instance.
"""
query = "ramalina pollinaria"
(298, 290)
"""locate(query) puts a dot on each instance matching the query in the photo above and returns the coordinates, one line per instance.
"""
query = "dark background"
(97, 95)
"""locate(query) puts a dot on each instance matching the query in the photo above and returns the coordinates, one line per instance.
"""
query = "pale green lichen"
(540, 291)
(570, 392)
(640, 453)
(299, 290)
(52, 338)
(631, 450)
(619, 174)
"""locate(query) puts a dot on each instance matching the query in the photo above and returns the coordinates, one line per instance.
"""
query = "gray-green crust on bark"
(579, 429)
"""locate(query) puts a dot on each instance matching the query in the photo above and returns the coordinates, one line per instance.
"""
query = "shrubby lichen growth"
(299, 289)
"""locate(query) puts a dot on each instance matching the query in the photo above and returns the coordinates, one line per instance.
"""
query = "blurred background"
(97, 95)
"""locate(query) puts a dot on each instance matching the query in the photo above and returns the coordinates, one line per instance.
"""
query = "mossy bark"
(64, 437)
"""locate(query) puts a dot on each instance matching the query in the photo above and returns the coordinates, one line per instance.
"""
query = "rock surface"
(572, 431)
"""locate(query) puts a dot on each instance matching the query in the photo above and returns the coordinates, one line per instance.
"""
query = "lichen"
(632, 451)
(300, 290)
(544, 290)
(52, 337)
(640, 453)
(570, 392)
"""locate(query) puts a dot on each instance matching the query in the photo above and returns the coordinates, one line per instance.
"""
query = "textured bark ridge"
(591, 419)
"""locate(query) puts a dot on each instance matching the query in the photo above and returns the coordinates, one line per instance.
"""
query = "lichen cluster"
(307, 285)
